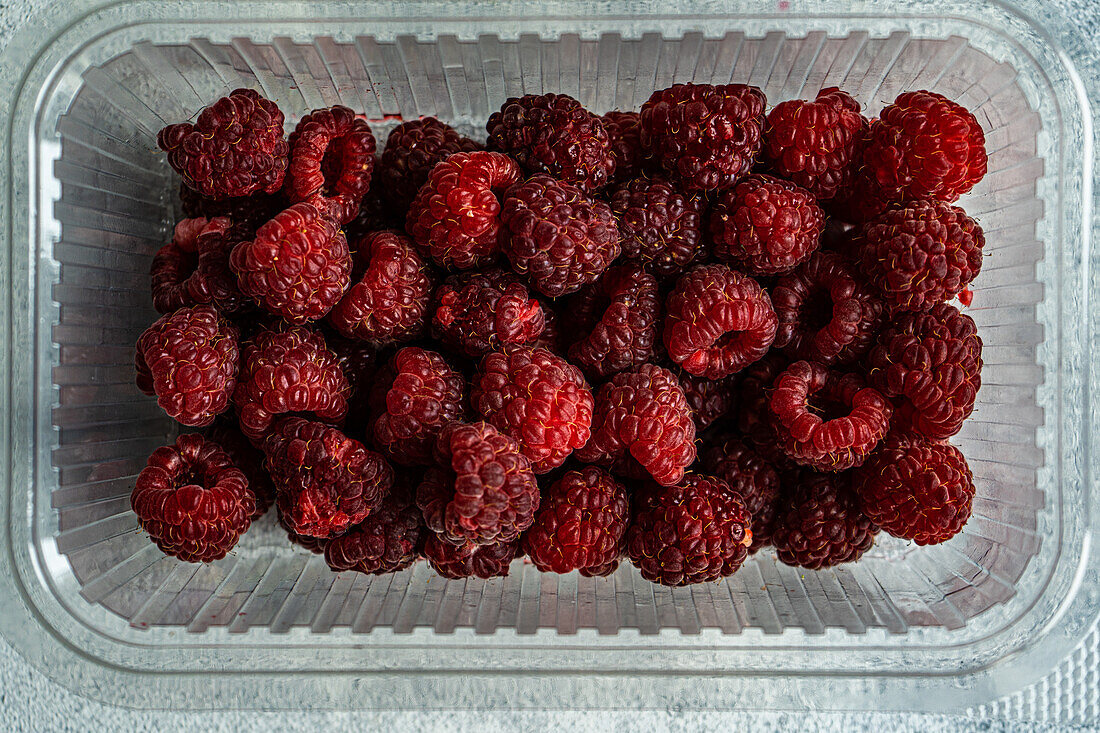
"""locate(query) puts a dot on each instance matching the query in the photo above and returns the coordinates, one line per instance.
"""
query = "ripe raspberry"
(174, 267)
(705, 136)
(753, 416)
(709, 399)
(482, 490)
(375, 215)
(558, 238)
(615, 321)
(826, 312)
(826, 420)
(331, 155)
(316, 545)
(624, 136)
(642, 420)
(387, 541)
(288, 371)
(325, 482)
(246, 212)
(389, 301)
(925, 146)
(194, 268)
(412, 150)
(554, 134)
(189, 360)
(416, 395)
(538, 399)
(486, 311)
(921, 253)
(455, 217)
(661, 228)
(717, 322)
(469, 560)
(235, 147)
(297, 267)
(933, 362)
(246, 457)
(752, 477)
(822, 524)
(581, 524)
(859, 202)
(696, 531)
(358, 362)
(816, 145)
(766, 226)
(191, 499)
(551, 338)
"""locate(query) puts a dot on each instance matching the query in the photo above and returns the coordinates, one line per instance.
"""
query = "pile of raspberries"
(673, 336)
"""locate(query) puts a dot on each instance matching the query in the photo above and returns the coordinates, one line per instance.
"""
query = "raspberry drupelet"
(331, 156)
(387, 541)
(614, 321)
(469, 560)
(822, 524)
(412, 150)
(661, 228)
(728, 458)
(486, 311)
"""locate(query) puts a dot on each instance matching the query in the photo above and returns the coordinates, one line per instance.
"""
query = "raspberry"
(717, 322)
(194, 268)
(482, 490)
(485, 312)
(822, 524)
(766, 226)
(554, 134)
(642, 420)
(357, 360)
(288, 371)
(235, 148)
(615, 321)
(246, 457)
(390, 300)
(709, 399)
(933, 362)
(469, 560)
(816, 145)
(538, 399)
(416, 395)
(581, 523)
(921, 253)
(191, 499)
(753, 416)
(826, 312)
(455, 217)
(551, 338)
(297, 267)
(325, 482)
(412, 150)
(925, 146)
(752, 477)
(387, 541)
(624, 136)
(661, 228)
(316, 545)
(375, 215)
(827, 420)
(558, 238)
(246, 212)
(696, 531)
(705, 136)
(189, 360)
(331, 155)
(174, 267)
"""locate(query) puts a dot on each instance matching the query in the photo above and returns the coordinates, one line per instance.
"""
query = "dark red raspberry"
(753, 415)
(174, 267)
(455, 217)
(753, 478)
(642, 420)
(917, 489)
(412, 150)
(469, 560)
(482, 490)
(537, 398)
(661, 228)
(194, 268)
(358, 362)
(933, 362)
(316, 545)
(288, 371)
(325, 482)
(486, 311)
(840, 238)
(389, 302)
(554, 134)
(766, 226)
(331, 155)
(709, 399)
(717, 322)
(387, 541)
(821, 524)
(827, 420)
(235, 148)
(705, 136)
(614, 321)
(191, 499)
(624, 135)
(581, 524)
(551, 338)
(214, 281)
(297, 267)
(558, 238)
(189, 360)
(921, 253)
(246, 212)
(246, 457)
(925, 146)
(375, 215)
(827, 313)
(416, 395)
(816, 145)
(696, 531)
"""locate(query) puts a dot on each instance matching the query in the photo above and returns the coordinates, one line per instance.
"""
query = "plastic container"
(1003, 616)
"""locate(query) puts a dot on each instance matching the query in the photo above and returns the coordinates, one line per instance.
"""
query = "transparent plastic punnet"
(91, 199)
